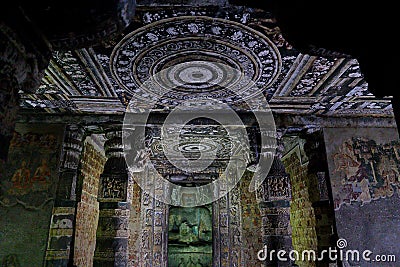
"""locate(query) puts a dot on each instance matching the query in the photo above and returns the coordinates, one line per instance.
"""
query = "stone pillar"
(320, 195)
(135, 222)
(87, 213)
(60, 242)
(112, 230)
(274, 196)
(154, 226)
(228, 238)
(302, 214)
(221, 238)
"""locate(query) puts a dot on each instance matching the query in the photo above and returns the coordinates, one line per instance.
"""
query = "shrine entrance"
(190, 236)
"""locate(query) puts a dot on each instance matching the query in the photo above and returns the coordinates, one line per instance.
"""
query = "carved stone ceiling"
(194, 141)
(96, 81)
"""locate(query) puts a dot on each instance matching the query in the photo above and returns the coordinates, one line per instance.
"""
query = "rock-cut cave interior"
(188, 133)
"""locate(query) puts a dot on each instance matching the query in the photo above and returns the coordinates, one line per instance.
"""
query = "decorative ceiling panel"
(197, 57)
(96, 81)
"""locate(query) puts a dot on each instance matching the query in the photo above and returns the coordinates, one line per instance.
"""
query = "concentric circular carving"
(193, 49)
(195, 147)
(195, 140)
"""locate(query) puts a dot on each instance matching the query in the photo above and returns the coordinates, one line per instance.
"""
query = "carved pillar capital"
(70, 158)
(72, 147)
(114, 180)
(113, 145)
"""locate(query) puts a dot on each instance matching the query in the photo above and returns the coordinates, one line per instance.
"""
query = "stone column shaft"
(274, 196)
(60, 242)
(113, 227)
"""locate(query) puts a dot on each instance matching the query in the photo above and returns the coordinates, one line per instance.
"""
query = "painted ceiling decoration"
(97, 80)
(193, 51)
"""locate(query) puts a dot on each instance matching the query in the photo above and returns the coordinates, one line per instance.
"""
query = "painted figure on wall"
(28, 178)
(21, 177)
(367, 171)
(345, 160)
(42, 173)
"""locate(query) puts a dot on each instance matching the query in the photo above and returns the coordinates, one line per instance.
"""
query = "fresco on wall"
(365, 171)
(28, 178)
(190, 237)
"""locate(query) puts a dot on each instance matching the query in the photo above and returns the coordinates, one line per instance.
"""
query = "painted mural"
(363, 165)
(365, 171)
(30, 176)
(27, 188)
(190, 237)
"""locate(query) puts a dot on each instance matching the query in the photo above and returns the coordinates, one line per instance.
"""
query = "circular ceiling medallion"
(194, 51)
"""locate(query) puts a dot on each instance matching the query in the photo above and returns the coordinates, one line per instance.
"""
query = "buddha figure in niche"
(190, 225)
